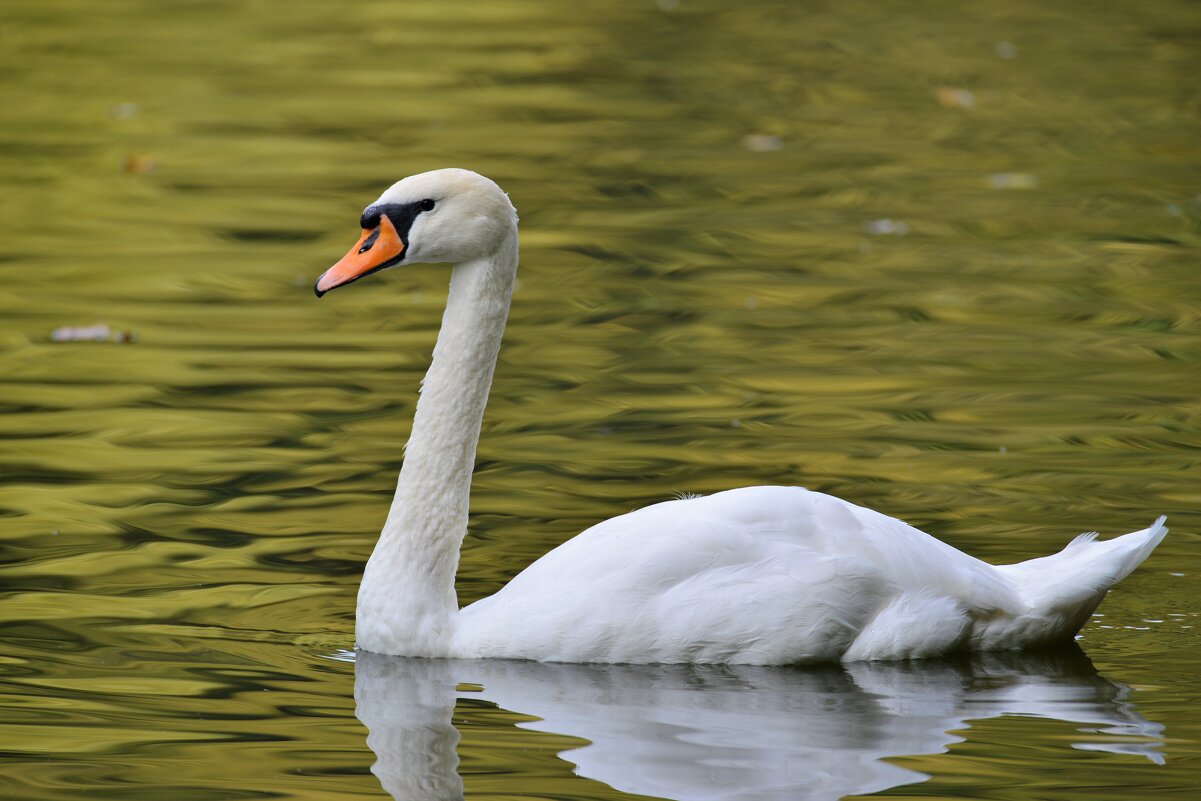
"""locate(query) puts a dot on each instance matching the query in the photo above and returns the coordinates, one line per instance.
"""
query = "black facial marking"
(402, 216)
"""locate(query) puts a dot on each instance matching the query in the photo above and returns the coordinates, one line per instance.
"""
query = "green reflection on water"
(938, 260)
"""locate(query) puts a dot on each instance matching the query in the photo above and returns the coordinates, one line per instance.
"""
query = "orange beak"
(365, 258)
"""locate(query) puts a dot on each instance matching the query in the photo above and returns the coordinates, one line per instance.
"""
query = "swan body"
(759, 575)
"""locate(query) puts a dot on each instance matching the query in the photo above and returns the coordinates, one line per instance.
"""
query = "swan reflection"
(726, 732)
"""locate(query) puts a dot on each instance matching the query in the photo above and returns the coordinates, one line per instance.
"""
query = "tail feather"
(1067, 586)
(1082, 539)
(1142, 543)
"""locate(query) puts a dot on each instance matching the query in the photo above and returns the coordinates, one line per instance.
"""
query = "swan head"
(447, 215)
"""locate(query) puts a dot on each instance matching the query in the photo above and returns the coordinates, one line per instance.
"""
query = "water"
(940, 261)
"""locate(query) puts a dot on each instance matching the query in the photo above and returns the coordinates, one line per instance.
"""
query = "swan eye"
(426, 205)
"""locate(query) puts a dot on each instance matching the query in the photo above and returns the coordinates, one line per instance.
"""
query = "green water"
(940, 259)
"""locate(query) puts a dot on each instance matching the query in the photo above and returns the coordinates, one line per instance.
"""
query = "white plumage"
(760, 575)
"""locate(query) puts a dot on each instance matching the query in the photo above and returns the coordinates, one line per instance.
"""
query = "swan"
(758, 575)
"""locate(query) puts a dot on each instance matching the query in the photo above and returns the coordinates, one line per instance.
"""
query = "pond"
(939, 260)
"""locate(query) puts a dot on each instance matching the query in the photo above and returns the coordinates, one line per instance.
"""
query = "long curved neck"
(407, 602)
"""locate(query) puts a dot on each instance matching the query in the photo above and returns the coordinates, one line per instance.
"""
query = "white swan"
(761, 575)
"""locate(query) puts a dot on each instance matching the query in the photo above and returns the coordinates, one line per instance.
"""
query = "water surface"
(940, 260)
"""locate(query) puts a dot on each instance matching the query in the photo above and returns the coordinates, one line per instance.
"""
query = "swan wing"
(763, 575)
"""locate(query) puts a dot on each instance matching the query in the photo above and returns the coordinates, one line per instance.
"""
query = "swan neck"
(407, 600)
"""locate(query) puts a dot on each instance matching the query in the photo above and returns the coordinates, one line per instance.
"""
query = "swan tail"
(1063, 589)
(1121, 555)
